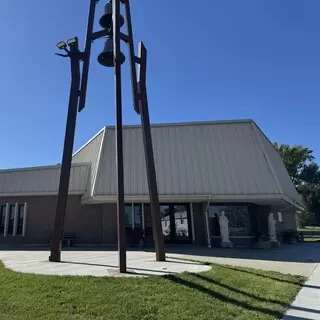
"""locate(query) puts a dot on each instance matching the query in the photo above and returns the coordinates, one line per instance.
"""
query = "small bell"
(106, 20)
(106, 57)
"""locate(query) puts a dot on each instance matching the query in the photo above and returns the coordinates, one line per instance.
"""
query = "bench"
(68, 239)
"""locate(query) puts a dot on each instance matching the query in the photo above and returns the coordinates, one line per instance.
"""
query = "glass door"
(182, 230)
(176, 223)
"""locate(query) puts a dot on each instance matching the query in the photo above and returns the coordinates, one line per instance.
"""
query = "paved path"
(95, 263)
(298, 259)
(306, 306)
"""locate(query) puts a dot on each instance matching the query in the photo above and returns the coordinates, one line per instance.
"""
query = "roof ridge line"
(90, 140)
(267, 158)
(98, 163)
(54, 166)
(172, 124)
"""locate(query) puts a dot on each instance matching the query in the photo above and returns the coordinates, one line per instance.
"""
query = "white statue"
(272, 228)
(224, 231)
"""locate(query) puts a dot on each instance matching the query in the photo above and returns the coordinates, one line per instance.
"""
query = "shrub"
(304, 218)
(289, 235)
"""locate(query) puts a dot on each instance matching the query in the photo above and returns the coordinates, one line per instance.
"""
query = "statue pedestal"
(226, 245)
(275, 244)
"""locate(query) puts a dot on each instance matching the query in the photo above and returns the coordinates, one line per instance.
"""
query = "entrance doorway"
(176, 223)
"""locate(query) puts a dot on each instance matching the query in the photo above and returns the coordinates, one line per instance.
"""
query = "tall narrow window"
(20, 219)
(128, 215)
(11, 219)
(2, 217)
(137, 215)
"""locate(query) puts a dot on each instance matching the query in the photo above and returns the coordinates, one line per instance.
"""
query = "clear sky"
(208, 60)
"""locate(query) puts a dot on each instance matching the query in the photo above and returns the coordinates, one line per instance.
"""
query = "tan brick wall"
(109, 223)
(288, 218)
(83, 220)
(263, 212)
(199, 223)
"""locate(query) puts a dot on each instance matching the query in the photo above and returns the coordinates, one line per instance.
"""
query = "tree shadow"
(201, 277)
(222, 297)
(245, 271)
(259, 275)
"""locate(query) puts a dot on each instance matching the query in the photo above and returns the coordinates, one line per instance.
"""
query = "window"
(128, 215)
(133, 221)
(133, 218)
(238, 217)
(137, 213)
(2, 217)
(11, 218)
(181, 220)
(20, 219)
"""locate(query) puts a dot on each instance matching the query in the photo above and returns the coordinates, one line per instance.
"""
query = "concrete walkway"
(95, 263)
(298, 259)
(306, 306)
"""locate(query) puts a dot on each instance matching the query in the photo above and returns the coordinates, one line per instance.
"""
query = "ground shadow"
(130, 269)
(222, 297)
(311, 286)
(299, 252)
(201, 277)
(251, 271)
(294, 318)
(305, 309)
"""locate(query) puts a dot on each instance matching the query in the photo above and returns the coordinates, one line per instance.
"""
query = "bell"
(106, 58)
(106, 20)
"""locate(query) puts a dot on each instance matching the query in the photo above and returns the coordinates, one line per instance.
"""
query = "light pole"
(111, 56)
(74, 54)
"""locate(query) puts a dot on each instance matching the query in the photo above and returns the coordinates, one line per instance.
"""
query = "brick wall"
(83, 220)
(199, 223)
(109, 223)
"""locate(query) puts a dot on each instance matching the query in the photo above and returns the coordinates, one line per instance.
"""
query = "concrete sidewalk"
(96, 263)
(298, 259)
(306, 306)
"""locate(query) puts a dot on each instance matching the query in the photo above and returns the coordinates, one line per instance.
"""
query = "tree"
(310, 174)
(296, 159)
(305, 174)
(304, 218)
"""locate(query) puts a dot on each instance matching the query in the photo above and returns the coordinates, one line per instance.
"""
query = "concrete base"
(226, 245)
(96, 263)
(274, 244)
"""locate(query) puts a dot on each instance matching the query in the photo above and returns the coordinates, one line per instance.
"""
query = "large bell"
(106, 20)
(106, 58)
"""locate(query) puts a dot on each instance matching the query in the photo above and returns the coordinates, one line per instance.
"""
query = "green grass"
(222, 293)
(311, 239)
(311, 233)
(309, 228)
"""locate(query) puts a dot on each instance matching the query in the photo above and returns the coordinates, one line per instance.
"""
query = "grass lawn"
(309, 228)
(311, 233)
(222, 293)
(311, 239)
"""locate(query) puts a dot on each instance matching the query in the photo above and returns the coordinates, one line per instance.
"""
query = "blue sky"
(208, 60)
